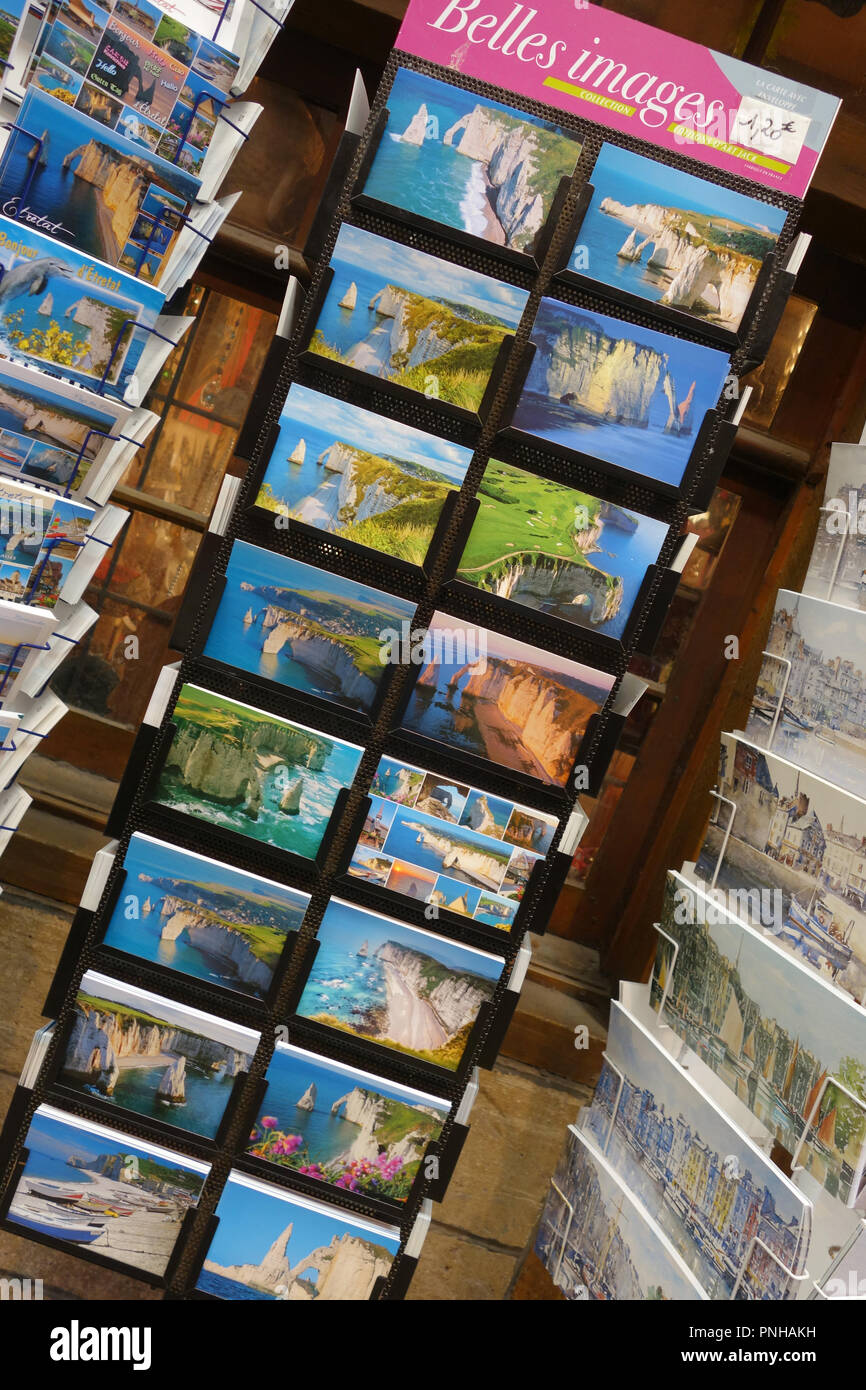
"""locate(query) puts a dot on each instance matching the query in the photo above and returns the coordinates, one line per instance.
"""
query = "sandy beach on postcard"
(412, 1022)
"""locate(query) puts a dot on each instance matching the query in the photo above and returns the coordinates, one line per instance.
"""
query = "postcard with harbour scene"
(672, 238)
(144, 1053)
(837, 567)
(559, 551)
(362, 477)
(401, 987)
(410, 318)
(597, 1242)
(202, 918)
(620, 393)
(97, 1190)
(344, 1127)
(461, 160)
(789, 1045)
(820, 696)
(793, 859)
(253, 773)
(508, 703)
(277, 1246)
(665, 1137)
(441, 842)
(41, 537)
(304, 627)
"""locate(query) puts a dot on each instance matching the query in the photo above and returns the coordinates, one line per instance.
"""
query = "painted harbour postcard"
(467, 162)
(624, 394)
(597, 1242)
(793, 861)
(673, 238)
(92, 189)
(50, 433)
(398, 986)
(821, 697)
(360, 476)
(837, 567)
(274, 1245)
(139, 71)
(672, 1146)
(788, 1045)
(344, 1127)
(202, 918)
(502, 700)
(87, 1186)
(562, 552)
(65, 312)
(440, 842)
(253, 773)
(410, 318)
(159, 1059)
(304, 627)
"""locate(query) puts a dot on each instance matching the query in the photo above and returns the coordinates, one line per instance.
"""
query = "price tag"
(770, 129)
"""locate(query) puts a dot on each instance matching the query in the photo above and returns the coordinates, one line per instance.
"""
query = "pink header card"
(630, 77)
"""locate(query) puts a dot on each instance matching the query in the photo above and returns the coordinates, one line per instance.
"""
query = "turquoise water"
(343, 984)
(207, 1096)
(41, 1165)
(325, 1135)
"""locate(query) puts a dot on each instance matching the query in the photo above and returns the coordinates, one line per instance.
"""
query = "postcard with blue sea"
(89, 185)
(90, 1187)
(513, 705)
(10, 17)
(41, 536)
(559, 551)
(360, 476)
(51, 433)
(674, 239)
(253, 773)
(402, 987)
(64, 312)
(464, 161)
(304, 627)
(441, 842)
(274, 1245)
(617, 392)
(415, 320)
(657, 1128)
(202, 918)
(344, 1127)
(148, 1055)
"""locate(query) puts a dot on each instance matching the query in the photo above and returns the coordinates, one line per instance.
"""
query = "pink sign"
(630, 77)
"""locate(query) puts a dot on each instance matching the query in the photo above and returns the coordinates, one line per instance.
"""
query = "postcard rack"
(486, 433)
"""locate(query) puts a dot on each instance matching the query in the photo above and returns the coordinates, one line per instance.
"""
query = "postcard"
(455, 158)
(597, 1242)
(837, 568)
(360, 476)
(402, 987)
(138, 71)
(441, 842)
(67, 313)
(790, 850)
(253, 773)
(304, 627)
(41, 536)
(276, 1245)
(511, 704)
(618, 392)
(562, 552)
(821, 695)
(51, 433)
(205, 919)
(663, 1135)
(90, 184)
(11, 15)
(344, 1127)
(159, 1059)
(412, 319)
(789, 1046)
(674, 239)
(87, 1186)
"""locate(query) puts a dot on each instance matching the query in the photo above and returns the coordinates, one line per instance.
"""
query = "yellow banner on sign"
(700, 137)
(596, 98)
